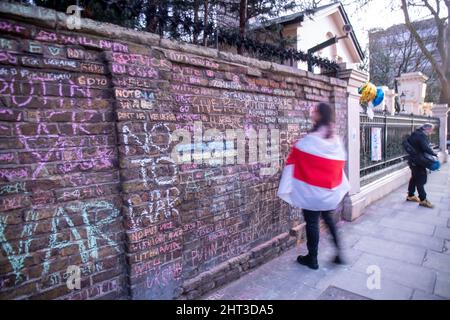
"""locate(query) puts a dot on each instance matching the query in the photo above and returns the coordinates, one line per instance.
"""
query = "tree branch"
(446, 62)
(440, 26)
(420, 43)
(205, 22)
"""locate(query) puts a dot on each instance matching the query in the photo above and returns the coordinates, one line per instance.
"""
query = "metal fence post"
(385, 138)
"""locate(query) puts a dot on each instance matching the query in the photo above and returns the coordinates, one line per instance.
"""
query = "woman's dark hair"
(326, 114)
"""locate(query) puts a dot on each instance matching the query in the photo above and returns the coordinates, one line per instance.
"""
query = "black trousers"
(312, 229)
(418, 180)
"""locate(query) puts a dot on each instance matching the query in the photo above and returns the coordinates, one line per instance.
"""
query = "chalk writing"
(18, 256)
(123, 58)
(135, 94)
(12, 28)
(162, 275)
(12, 174)
(184, 58)
(13, 188)
(93, 233)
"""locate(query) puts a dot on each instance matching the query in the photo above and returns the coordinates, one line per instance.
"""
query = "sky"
(378, 14)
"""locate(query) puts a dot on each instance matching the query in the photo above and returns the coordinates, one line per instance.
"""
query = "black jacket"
(419, 141)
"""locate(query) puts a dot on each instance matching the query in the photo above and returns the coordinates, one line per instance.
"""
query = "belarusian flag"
(314, 177)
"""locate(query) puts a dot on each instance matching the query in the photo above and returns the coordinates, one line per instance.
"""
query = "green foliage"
(198, 21)
(177, 19)
(121, 12)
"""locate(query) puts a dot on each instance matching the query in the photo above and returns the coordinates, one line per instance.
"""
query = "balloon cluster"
(371, 97)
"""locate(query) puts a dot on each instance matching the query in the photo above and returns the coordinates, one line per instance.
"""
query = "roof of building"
(300, 16)
(426, 23)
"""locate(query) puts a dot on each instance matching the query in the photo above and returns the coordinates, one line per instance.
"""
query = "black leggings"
(312, 229)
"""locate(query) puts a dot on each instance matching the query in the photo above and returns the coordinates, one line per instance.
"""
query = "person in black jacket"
(419, 141)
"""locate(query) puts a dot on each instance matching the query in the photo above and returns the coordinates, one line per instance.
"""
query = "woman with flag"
(314, 180)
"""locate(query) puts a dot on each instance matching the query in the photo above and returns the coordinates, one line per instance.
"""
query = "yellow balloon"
(368, 93)
(373, 92)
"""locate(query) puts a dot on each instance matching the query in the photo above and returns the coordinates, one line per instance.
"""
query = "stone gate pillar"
(441, 111)
(414, 87)
(355, 79)
(389, 96)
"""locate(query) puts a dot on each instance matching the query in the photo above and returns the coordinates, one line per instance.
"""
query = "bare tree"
(442, 67)
(196, 31)
(440, 12)
(205, 20)
(394, 51)
(243, 10)
(365, 64)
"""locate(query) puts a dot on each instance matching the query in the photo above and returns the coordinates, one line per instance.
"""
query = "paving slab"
(357, 283)
(442, 232)
(407, 225)
(437, 261)
(419, 240)
(409, 245)
(409, 275)
(420, 295)
(442, 288)
(334, 293)
(390, 249)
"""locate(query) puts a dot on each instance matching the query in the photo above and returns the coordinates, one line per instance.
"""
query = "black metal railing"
(394, 128)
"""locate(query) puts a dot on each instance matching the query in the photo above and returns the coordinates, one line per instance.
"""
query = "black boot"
(308, 261)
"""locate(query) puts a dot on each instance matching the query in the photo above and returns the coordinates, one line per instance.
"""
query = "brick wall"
(116, 156)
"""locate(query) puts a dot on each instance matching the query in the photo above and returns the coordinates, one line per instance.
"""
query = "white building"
(311, 28)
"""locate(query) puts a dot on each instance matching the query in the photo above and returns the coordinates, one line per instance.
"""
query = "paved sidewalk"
(409, 244)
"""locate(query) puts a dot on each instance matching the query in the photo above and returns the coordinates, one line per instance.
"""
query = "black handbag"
(418, 158)
(410, 150)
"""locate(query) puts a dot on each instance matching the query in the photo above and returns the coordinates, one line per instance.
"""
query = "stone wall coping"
(57, 20)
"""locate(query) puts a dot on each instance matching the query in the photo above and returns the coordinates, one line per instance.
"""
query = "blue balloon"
(435, 166)
(379, 97)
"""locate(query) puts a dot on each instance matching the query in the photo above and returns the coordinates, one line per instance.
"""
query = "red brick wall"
(87, 173)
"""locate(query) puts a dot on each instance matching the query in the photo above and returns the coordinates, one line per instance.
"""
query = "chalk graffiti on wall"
(57, 92)
(87, 247)
(161, 205)
(16, 257)
(146, 142)
(162, 202)
(23, 92)
(87, 269)
(13, 188)
(162, 276)
(54, 99)
(93, 230)
(101, 159)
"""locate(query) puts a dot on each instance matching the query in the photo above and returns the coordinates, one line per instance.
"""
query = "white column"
(389, 100)
(355, 79)
(414, 87)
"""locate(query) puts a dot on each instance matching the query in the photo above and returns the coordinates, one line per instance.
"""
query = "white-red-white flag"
(314, 177)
